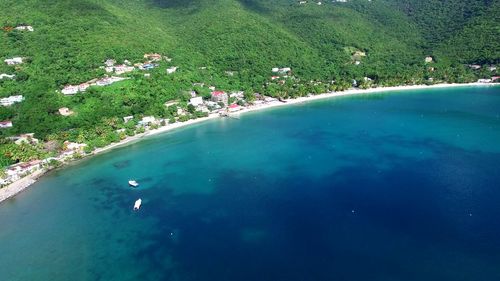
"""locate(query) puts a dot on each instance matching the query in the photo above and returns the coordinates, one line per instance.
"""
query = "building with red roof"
(220, 96)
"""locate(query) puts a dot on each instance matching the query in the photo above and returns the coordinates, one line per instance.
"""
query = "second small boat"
(133, 183)
(137, 204)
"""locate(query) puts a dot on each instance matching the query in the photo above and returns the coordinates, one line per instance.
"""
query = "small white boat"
(137, 204)
(133, 183)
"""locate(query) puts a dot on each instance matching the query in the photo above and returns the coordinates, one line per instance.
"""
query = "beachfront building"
(181, 112)
(196, 101)
(484, 81)
(11, 100)
(147, 120)
(64, 111)
(7, 76)
(203, 108)
(19, 170)
(25, 138)
(73, 146)
(70, 149)
(219, 96)
(14, 61)
(5, 124)
(234, 108)
(270, 99)
(237, 95)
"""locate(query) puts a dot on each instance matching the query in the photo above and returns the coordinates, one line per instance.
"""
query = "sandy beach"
(20, 185)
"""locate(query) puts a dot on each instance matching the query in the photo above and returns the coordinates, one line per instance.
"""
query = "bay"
(390, 186)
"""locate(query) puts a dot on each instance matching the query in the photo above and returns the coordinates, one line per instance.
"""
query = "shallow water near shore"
(391, 186)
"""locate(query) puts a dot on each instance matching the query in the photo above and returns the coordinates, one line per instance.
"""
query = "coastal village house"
(284, 70)
(172, 69)
(152, 57)
(108, 81)
(70, 149)
(5, 124)
(25, 28)
(14, 61)
(25, 138)
(11, 100)
(196, 101)
(109, 62)
(64, 111)
(119, 69)
(73, 146)
(219, 96)
(17, 171)
(127, 118)
(146, 66)
(6, 76)
(171, 103)
(237, 95)
(74, 89)
(234, 108)
(484, 81)
(147, 120)
(70, 90)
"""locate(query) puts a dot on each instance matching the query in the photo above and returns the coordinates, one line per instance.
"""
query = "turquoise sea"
(391, 186)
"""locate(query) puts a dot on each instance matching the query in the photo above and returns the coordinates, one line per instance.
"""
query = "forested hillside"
(478, 41)
(465, 30)
(231, 45)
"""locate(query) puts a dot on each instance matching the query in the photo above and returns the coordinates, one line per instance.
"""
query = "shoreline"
(23, 183)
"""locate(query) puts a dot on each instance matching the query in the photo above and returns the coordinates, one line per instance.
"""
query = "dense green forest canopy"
(385, 40)
(465, 30)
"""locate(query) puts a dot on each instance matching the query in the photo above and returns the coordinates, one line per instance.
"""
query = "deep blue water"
(396, 186)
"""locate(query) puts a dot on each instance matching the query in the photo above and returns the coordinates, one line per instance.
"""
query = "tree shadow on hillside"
(255, 5)
(177, 3)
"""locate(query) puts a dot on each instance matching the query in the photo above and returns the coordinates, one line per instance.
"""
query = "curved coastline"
(23, 183)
